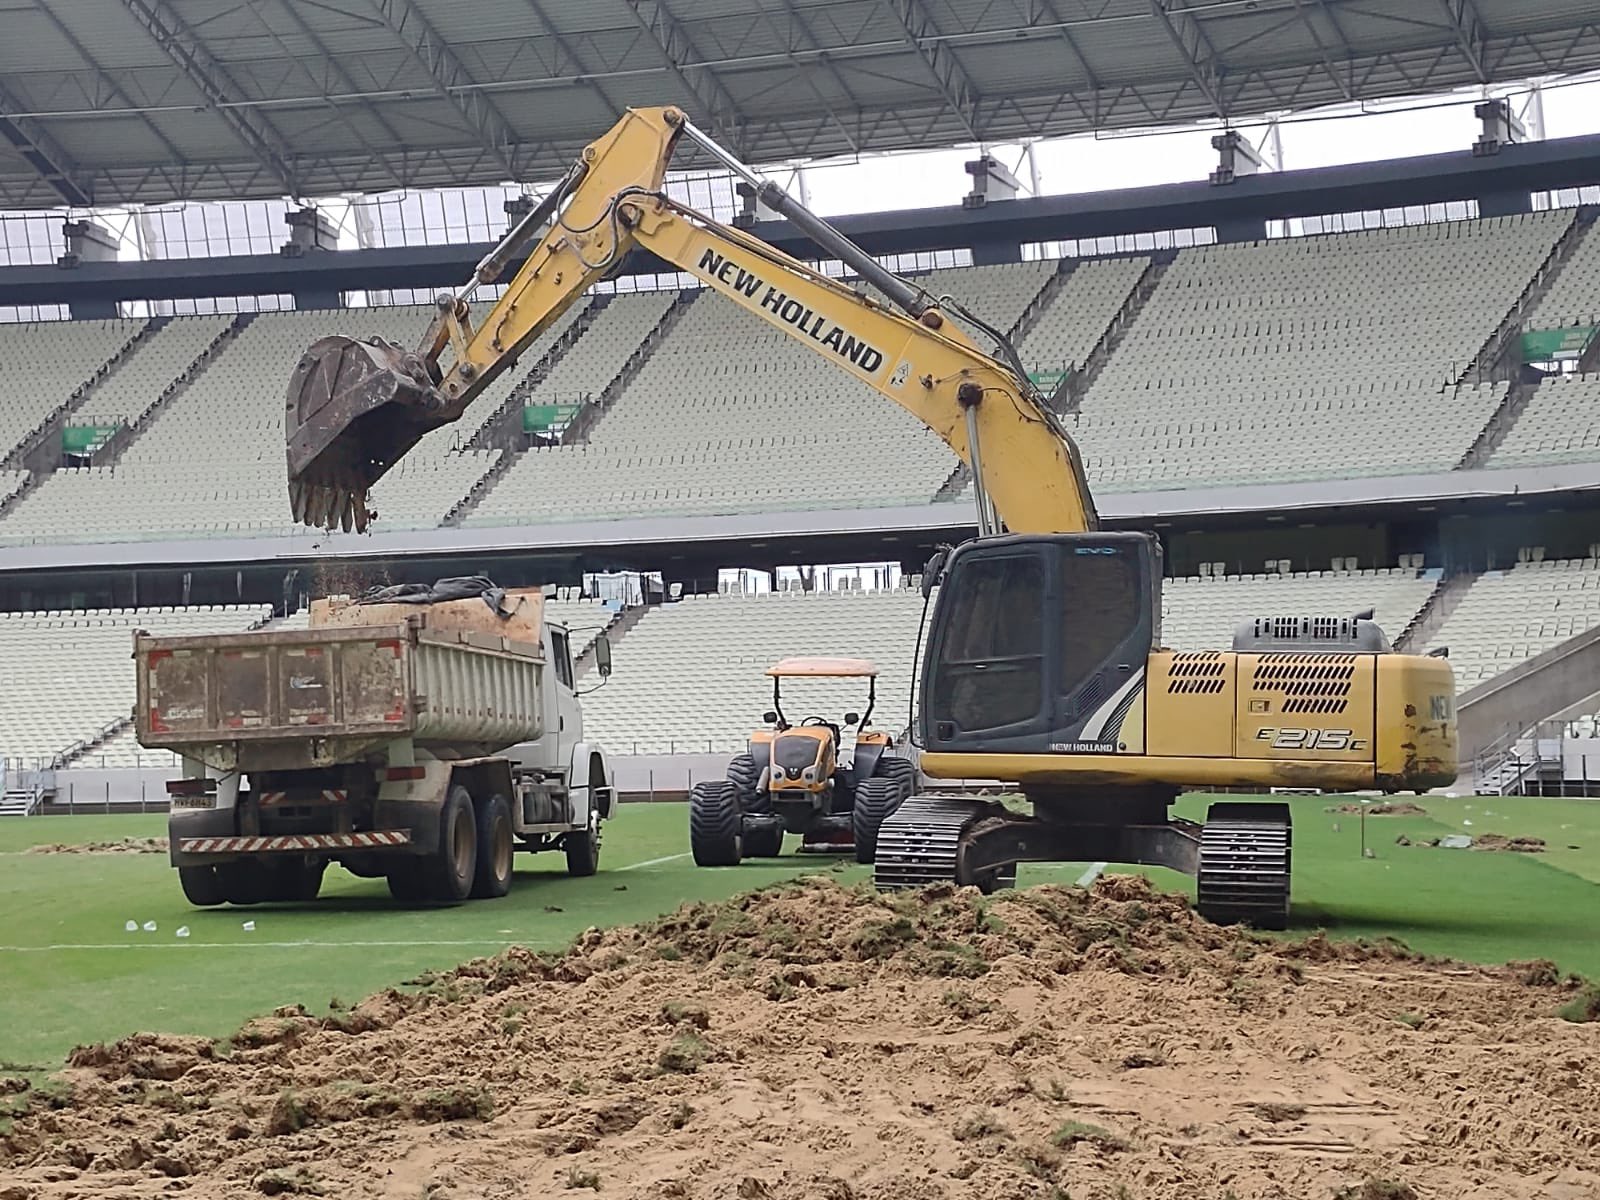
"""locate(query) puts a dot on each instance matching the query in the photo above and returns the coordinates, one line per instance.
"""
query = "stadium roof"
(107, 102)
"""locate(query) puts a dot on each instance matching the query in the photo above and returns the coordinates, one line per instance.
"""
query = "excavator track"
(920, 842)
(1244, 871)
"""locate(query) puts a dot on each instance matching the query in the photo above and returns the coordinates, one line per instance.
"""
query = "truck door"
(569, 723)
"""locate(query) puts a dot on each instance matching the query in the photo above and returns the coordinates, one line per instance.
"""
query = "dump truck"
(421, 743)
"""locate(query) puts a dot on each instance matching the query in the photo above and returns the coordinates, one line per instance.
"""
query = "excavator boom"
(355, 408)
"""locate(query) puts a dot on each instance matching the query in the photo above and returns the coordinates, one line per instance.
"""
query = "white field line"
(189, 944)
(654, 862)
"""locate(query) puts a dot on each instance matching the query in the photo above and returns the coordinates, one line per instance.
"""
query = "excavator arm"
(355, 408)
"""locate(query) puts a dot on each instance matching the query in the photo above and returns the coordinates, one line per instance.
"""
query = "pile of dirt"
(1398, 808)
(1497, 841)
(810, 1040)
(127, 845)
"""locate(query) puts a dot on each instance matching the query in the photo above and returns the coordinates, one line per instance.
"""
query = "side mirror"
(1439, 652)
(933, 569)
(851, 718)
(602, 655)
(770, 717)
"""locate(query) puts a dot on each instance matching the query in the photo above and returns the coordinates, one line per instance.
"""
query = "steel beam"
(951, 78)
(1305, 8)
(450, 79)
(1199, 56)
(799, 22)
(35, 146)
(1470, 35)
(184, 48)
(335, 64)
(564, 45)
(717, 105)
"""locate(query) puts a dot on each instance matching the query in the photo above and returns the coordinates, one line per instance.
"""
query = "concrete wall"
(1530, 692)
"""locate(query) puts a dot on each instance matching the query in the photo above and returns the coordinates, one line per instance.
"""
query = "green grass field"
(70, 973)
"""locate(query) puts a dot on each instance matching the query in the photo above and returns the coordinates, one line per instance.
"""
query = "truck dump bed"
(285, 699)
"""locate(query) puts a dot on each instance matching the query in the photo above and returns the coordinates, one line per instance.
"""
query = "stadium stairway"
(1500, 358)
(108, 454)
(1070, 392)
(587, 417)
(1036, 312)
(503, 430)
(39, 452)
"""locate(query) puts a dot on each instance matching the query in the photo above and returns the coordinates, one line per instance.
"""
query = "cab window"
(563, 657)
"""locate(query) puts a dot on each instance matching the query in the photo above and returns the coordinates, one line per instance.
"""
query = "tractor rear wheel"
(891, 785)
(714, 832)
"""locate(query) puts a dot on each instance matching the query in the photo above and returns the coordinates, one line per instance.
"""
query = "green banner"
(84, 439)
(1047, 379)
(542, 418)
(1542, 345)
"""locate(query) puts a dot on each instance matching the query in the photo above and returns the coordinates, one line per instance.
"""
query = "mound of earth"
(1399, 808)
(127, 845)
(810, 1040)
(1497, 841)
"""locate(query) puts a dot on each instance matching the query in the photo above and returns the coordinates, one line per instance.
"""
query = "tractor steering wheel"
(824, 722)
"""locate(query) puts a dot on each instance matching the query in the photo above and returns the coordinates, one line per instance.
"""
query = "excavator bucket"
(354, 409)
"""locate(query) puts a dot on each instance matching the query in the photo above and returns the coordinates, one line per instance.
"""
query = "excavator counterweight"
(354, 410)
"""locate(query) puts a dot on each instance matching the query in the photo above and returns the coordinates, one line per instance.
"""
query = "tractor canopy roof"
(821, 667)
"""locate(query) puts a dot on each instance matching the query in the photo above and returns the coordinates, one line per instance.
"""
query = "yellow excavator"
(1043, 664)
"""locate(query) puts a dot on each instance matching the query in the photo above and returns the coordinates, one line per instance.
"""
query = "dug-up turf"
(810, 1040)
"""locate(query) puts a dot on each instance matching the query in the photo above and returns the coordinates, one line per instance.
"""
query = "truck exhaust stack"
(354, 409)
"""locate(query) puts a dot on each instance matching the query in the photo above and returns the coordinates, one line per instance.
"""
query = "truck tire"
(746, 777)
(496, 849)
(201, 887)
(449, 871)
(583, 848)
(406, 883)
(714, 833)
(298, 880)
(763, 837)
(244, 881)
(876, 800)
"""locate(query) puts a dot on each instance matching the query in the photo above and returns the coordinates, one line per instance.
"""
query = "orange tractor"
(792, 780)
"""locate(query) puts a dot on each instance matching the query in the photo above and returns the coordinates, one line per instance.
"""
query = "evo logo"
(1094, 550)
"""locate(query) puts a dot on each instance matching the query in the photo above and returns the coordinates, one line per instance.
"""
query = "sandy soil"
(149, 845)
(813, 1041)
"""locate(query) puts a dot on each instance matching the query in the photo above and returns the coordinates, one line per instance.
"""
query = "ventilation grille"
(1318, 629)
(1196, 673)
(1309, 683)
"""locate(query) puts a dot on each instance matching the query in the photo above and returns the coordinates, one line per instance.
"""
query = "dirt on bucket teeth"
(811, 1040)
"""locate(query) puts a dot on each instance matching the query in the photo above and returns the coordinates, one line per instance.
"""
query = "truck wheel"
(763, 837)
(406, 883)
(714, 834)
(449, 871)
(583, 848)
(243, 881)
(876, 799)
(496, 849)
(297, 880)
(201, 887)
(745, 776)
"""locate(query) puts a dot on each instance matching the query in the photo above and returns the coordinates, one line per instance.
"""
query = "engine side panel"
(1190, 701)
(1299, 707)
(1416, 739)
